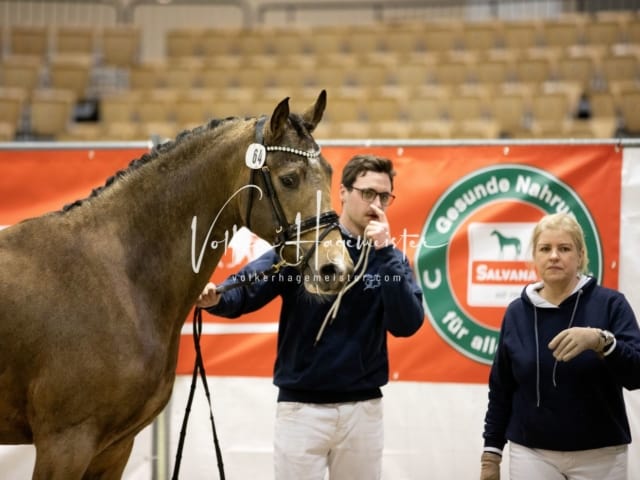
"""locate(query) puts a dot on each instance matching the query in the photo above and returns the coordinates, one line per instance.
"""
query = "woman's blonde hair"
(566, 223)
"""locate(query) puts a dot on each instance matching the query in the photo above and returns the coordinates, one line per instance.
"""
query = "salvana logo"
(475, 253)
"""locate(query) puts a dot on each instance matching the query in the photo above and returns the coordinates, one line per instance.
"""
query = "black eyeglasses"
(369, 195)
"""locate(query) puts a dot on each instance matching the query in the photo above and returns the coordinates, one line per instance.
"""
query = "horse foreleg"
(62, 456)
(110, 463)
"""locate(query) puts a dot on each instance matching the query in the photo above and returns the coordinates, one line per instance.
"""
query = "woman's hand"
(571, 342)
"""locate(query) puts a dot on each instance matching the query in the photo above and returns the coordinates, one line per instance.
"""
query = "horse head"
(295, 180)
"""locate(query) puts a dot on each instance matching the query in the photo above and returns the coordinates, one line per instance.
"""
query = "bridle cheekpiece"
(285, 231)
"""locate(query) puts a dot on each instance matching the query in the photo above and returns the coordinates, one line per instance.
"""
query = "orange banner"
(33, 182)
(462, 216)
(519, 184)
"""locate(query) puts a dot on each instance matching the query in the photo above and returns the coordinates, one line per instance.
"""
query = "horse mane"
(157, 151)
(301, 128)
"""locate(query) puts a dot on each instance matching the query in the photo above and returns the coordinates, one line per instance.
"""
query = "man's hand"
(490, 466)
(571, 342)
(209, 296)
(378, 230)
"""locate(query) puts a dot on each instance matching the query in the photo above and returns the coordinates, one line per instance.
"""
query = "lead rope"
(198, 369)
(360, 268)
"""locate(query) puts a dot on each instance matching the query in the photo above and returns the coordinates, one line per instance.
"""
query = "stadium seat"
(121, 45)
(432, 129)
(459, 108)
(76, 40)
(194, 107)
(442, 36)
(550, 111)
(29, 40)
(118, 107)
(184, 73)
(184, 42)
(23, 71)
(536, 70)
(563, 32)
(452, 73)
(604, 31)
(482, 36)
(521, 35)
(510, 111)
(157, 105)
(123, 131)
(12, 102)
(630, 113)
(71, 72)
(577, 69)
(422, 109)
(148, 75)
(620, 67)
(7, 132)
(50, 112)
(495, 71)
(475, 129)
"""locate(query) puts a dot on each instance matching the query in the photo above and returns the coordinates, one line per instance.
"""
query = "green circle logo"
(474, 242)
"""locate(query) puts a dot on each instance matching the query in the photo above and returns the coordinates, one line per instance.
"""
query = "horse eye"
(290, 181)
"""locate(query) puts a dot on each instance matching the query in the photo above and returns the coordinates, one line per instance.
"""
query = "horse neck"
(166, 216)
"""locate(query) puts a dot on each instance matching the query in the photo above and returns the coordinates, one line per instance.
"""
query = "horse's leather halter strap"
(259, 139)
(286, 230)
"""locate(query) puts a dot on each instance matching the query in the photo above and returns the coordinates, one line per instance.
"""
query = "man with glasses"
(329, 373)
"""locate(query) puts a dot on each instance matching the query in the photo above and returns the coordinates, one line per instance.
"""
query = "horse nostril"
(330, 278)
(328, 270)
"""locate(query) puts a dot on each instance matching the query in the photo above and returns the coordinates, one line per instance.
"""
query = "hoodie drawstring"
(555, 364)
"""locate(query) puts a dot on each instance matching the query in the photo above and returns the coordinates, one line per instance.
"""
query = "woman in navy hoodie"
(567, 348)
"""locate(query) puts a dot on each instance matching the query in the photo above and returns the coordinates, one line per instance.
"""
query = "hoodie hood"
(532, 292)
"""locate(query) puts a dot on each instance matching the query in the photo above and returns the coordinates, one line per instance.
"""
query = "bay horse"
(93, 297)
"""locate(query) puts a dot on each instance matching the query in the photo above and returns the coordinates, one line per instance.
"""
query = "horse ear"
(314, 114)
(279, 119)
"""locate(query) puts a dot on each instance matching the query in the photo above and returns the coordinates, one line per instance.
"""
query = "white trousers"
(343, 440)
(608, 463)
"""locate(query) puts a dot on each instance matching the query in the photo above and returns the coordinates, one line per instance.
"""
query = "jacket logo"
(371, 281)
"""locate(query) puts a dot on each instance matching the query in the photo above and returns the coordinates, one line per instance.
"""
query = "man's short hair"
(361, 164)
